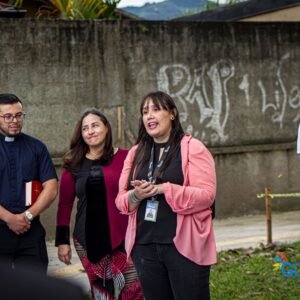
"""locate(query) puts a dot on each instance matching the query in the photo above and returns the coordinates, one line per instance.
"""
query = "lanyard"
(152, 174)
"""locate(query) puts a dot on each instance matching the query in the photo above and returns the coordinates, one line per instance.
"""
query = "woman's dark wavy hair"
(74, 157)
(145, 141)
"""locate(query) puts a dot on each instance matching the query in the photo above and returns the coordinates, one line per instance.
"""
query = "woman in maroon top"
(91, 171)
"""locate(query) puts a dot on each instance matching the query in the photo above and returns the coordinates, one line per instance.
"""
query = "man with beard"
(23, 159)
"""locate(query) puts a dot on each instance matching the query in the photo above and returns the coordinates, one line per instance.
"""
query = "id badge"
(151, 210)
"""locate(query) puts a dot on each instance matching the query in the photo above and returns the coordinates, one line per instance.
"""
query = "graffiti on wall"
(281, 98)
(204, 92)
(192, 88)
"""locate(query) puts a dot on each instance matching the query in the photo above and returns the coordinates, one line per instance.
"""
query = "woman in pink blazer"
(167, 186)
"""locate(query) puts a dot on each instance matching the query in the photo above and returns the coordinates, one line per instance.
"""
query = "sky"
(124, 3)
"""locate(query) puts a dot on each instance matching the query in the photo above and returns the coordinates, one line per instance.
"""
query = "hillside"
(168, 9)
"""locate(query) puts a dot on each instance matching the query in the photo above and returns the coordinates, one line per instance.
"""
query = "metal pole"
(268, 215)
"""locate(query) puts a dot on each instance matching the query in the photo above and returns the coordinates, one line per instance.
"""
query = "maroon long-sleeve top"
(67, 195)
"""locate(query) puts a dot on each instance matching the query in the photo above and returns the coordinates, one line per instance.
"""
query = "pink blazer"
(194, 232)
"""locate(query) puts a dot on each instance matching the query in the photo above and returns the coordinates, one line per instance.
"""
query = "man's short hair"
(9, 99)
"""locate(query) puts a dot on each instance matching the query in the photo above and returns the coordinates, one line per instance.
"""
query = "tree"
(75, 9)
(210, 4)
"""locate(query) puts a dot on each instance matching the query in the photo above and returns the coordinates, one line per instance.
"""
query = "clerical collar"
(9, 139)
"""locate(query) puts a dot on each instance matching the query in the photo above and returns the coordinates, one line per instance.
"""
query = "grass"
(251, 274)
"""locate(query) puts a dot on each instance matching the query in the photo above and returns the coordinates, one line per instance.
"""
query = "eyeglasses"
(9, 117)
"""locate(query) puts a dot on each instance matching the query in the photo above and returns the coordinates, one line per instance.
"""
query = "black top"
(164, 229)
(23, 158)
(17, 284)
(92, 210)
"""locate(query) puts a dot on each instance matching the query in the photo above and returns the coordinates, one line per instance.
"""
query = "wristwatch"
(29, 215)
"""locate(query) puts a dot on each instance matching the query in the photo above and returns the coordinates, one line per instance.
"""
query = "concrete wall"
(237, 88)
